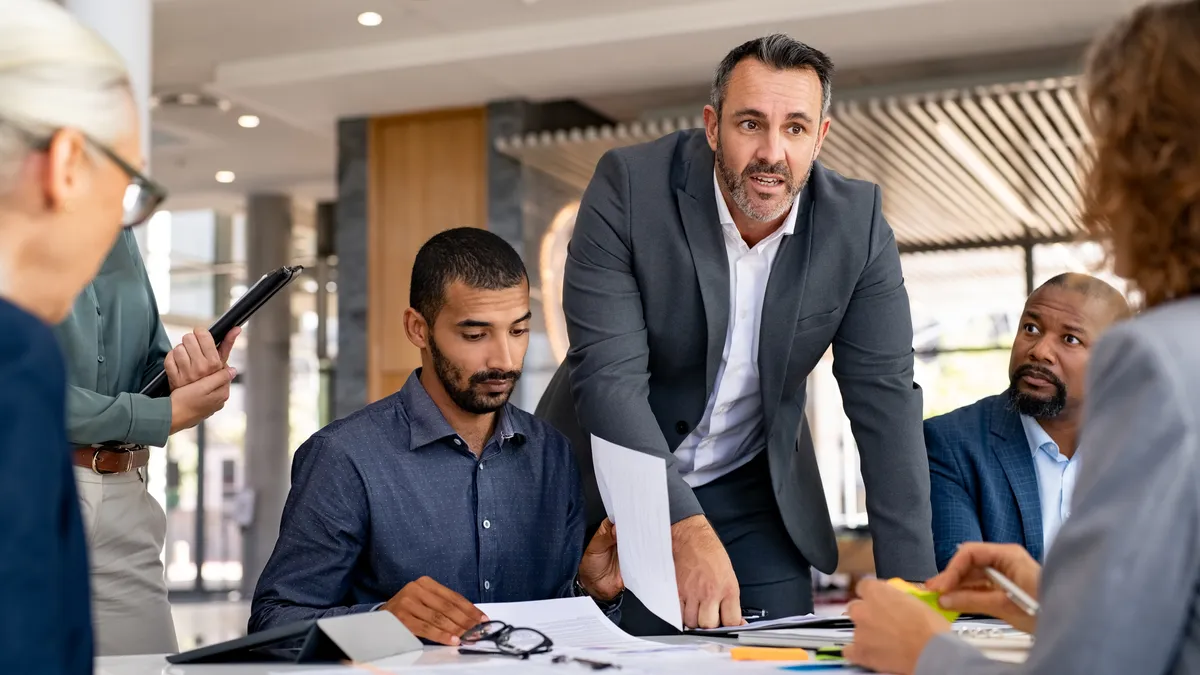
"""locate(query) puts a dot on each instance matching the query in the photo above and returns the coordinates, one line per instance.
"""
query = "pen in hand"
(1019, 597)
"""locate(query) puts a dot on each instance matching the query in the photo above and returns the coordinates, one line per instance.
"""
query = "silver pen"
(1019, 597)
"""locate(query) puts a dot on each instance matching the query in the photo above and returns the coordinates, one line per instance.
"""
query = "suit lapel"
(781, 304)
(702, 227)
(1017, 460)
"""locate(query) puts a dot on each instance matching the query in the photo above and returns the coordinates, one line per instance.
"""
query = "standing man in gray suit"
(708, 273)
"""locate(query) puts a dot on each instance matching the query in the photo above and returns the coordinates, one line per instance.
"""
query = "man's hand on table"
(431, 611)
(709, 595)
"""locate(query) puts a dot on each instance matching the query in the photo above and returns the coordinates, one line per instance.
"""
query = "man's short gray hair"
(780, 52)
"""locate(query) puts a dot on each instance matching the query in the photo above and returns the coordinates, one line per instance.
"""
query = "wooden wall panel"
(428, 173)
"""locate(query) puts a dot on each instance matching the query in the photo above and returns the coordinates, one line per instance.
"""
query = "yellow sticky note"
(928, 597)
(768, 654)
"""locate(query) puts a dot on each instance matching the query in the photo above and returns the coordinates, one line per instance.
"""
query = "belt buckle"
(128, 461)
(95, 458)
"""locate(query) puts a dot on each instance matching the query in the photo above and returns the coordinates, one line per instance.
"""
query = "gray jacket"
(1121, 588)
(646, 297)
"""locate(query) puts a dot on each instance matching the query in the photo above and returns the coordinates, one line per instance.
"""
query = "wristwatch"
(581, 592)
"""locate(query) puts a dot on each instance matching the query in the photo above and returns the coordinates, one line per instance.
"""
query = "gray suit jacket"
(1121, 588)
(646, 297)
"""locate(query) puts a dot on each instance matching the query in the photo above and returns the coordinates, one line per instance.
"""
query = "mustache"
(758, 166)
(495, 375)
(1036, 371)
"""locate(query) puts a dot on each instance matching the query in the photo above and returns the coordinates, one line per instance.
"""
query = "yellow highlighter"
(768, 654)
(928, 597)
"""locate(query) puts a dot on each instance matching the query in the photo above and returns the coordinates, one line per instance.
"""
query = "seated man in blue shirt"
(1003, 468)
(443, 494)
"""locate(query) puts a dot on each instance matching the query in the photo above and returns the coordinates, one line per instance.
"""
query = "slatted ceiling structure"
(968, 168)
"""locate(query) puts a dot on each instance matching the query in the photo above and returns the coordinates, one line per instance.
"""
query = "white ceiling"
(302, 64)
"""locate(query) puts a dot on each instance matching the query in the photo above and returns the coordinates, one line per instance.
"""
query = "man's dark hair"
(780, 52)
(478, 258)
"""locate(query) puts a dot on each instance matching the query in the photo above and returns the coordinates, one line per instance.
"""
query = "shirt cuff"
(150, 420)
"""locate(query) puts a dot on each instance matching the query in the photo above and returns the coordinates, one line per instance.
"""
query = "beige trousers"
(125, 529)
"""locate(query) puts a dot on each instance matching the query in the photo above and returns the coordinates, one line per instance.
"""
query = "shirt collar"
(427, 425)
(1037, 437)
(789, 223)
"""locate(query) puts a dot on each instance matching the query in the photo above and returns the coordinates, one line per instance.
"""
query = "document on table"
(569, 622)
(633, 487)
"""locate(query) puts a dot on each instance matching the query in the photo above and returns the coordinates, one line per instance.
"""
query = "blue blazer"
(46, 623)
(982, 481)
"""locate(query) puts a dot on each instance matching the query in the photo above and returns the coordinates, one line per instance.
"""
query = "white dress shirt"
(731, 432)
(1056, 479)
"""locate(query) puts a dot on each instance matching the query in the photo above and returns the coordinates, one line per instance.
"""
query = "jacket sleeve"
(873, 364)
(610, 354)
(954, 517)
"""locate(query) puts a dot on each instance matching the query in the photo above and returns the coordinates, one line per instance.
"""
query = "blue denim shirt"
(391, 493)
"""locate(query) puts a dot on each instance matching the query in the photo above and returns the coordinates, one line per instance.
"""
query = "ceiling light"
(1000, 189)
(370, 18)
(248, 121)
(225, 176)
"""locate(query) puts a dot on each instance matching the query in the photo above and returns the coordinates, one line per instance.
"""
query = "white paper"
(569, 622)
(633, 487)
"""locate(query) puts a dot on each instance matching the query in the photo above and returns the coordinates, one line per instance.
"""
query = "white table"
(431, 656)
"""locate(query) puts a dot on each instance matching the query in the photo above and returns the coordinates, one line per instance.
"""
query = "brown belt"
(112, 459)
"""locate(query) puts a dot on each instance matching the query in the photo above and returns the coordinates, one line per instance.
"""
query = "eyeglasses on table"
(507, 640)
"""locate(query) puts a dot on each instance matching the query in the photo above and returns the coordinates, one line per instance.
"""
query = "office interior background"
(340, 134)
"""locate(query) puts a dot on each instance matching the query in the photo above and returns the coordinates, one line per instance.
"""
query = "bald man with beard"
(1003, 468)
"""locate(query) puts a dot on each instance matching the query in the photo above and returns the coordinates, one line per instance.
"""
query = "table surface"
(429, 657)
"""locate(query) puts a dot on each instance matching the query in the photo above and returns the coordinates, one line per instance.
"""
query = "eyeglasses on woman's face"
(143, 196)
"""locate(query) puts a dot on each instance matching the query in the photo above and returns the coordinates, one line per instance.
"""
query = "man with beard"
(443, 494)
(1003, 469)
(708, 273)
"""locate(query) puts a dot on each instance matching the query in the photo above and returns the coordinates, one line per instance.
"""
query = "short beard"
(1027, 404)
(467, 397)
(739, 185)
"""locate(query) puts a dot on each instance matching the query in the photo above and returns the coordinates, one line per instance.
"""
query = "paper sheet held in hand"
(633, 487)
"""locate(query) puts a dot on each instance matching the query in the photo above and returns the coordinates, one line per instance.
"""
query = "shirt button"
(457, 442)
(487, 524)
(100, 358)
(97, 311)
(481, 466)
(487, 585)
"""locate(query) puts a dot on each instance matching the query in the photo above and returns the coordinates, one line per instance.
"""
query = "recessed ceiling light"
(370, 18)
(248, 121)
(225, 177)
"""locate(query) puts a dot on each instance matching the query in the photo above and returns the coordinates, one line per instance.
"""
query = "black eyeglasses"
(509, 641)
(143, 196)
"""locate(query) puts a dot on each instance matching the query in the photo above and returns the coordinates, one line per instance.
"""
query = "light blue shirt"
(1056, 479)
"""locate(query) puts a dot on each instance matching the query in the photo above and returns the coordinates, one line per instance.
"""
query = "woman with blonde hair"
(1121, 589)
(69, 139)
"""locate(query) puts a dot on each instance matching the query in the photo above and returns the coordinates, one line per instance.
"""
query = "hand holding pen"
(999, 580)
